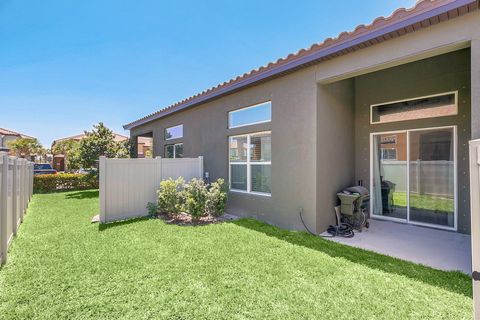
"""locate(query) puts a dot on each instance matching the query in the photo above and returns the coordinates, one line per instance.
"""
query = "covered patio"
(445, 250)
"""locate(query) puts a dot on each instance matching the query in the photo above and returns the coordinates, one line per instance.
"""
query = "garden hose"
(342, 230)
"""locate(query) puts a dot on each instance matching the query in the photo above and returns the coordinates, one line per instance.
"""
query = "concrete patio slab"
(432, 247)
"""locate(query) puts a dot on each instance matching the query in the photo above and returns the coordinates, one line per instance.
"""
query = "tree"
(71, 150)
(25, 147)
(101, 142)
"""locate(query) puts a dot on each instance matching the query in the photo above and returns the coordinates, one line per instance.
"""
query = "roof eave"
(303, 61)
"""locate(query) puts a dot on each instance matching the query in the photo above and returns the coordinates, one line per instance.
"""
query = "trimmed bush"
(170, 196)
(216, 198)
(64, 181)
(195, 198)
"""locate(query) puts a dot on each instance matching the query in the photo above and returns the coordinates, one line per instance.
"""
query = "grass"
(425, 201)
(62, 266)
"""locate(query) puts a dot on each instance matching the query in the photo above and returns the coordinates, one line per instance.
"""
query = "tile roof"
(118, 137)
(7, 132)
(400, 22)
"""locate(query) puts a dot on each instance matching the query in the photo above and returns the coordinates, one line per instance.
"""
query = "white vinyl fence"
(16, 187)
(127, 185)
(426, 177)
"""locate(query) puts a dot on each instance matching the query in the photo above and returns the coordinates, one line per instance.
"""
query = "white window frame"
(455, 93)
(248, 163)
(245, 108)
(174, 150)
(455, 178)
(165, 132)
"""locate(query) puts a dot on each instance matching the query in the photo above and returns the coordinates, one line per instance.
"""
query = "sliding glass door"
(389, 196)
(413, 175)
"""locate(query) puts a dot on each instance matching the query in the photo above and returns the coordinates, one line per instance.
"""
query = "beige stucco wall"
(335, 146)
(293, 127)
(445, 73)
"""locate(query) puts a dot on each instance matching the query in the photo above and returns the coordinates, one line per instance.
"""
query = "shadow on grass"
(87, 194)
(453, 281)
(109, 225)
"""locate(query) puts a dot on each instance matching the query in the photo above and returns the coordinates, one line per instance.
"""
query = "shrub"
(170, 196)
(152, 208)
(216, 198)
(64, 181)
(195, 197)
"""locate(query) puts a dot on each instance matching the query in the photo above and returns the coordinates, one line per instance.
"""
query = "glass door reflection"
(389, 175)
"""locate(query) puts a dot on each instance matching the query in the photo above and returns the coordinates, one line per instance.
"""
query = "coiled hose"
(343, 230)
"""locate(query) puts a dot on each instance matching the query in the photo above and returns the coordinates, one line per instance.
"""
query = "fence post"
(102, 184)
(200, 167)
(30, 171)
(15, 202)
(159, 168)
(22, 186)
(475, 220)
(3, 209)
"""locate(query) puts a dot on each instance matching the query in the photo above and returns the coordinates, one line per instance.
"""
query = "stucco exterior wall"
(335, 146)
(293, 127)
(445, 73)
(319, 131)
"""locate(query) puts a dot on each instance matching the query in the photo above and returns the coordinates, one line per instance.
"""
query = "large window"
(259, 113)
(439, 105)
(174, 150)
(174, 132)
(250, 163)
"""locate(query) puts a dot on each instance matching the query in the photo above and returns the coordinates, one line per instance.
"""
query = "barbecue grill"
(354, 206)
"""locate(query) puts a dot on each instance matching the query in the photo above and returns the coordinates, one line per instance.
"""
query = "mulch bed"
(183, 219)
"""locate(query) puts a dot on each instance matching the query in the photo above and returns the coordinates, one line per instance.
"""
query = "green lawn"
(62, 266)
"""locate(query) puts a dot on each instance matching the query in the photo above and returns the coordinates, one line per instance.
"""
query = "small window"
(174, 132)
(174, 150)
(256, 114)
(440, 105)
(250, 163)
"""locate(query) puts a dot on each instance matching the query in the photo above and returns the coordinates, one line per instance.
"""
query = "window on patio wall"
(175, 132)
(250, 163)
(174, 150)
(259, 113)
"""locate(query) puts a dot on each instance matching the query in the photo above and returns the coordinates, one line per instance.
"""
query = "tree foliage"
(101, 142)
(25, 147)
(71, 150)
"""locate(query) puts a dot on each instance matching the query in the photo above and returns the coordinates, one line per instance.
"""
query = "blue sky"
(65, 65)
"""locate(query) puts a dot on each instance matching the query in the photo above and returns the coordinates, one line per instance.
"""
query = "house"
(144, 147)
(9, 135)
(59, 159)
(390, 106)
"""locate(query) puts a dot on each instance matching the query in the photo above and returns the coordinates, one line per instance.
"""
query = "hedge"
(64, 181)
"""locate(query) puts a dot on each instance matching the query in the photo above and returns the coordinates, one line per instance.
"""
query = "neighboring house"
(59, 159)
(391, 106)
(9, 135)
(144, 147)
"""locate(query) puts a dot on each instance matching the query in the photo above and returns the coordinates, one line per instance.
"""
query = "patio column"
(475, 87)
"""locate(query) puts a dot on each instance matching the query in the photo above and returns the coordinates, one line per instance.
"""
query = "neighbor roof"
(402, 21)
(118, 137)
(7, 132)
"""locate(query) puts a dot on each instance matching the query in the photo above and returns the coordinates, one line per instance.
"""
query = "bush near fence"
(64, 181)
